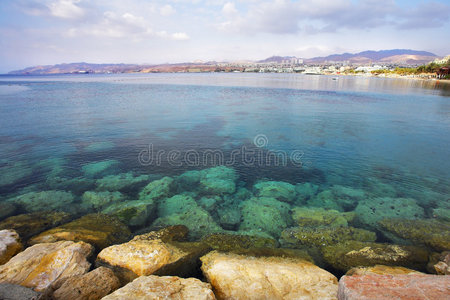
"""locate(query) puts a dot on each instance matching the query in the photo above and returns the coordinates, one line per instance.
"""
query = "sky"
(42, 32)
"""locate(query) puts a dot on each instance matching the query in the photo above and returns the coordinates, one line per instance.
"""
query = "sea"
(375, 137)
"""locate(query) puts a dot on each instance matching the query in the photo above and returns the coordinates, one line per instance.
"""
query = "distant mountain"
(275, 59)
(81, 67)
(398, 56)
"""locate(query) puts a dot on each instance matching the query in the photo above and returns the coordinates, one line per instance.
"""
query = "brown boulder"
(10, 245)
(99, 230)
(167, 287)
(90, 286)
(48, 265)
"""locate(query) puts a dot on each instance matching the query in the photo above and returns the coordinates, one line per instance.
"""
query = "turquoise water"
(357, 138)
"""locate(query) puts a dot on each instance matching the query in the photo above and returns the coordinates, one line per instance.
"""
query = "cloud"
(125, 25)
(315, 16)
(167, 10)
(66, 9)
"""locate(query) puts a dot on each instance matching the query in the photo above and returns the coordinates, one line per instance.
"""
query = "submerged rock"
(45, 200)
(134, 213)
(47, 266)
(7, 209)
(325, 200)
(77, 185)
(324, 236)
(28, 225)
(230, 242)
(441, 213)
(388, 287)
(90, 286)
(176, 205)
(97, 229)
(127, 182)
(430, 232)
(144, 255)
(171, 233)
(317, 216)
(101, 168)
(229, 218)
(13, 173)
(305, 191)
(218, 181)
(166, 287)
(265, 214)
(347, 197)
(99, 146)
(188, 181)
(282, 191)
(198, 220)
(10, 245)
(370, 211)
(240, 277)
(349, 254)
(157, 189)
(99, 200)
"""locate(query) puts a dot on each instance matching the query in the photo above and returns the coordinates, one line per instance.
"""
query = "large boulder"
(9, 291)
(388, 287)
(28, 225)
(166, 287)
(45, 200)
(370, 211)
(176, 205)
(305, 191)
(442, 267)
(350, 254)
(243, 277)
(282, 191)
(147, 254)
(96, 229)
(10, 245)
(90, 286)
(230, 242)
(46, 266)
(432, 233)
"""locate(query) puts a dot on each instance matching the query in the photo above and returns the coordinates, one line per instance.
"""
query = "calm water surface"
(362, 133)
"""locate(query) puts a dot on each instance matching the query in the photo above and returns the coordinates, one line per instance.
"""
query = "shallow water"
(385, 137)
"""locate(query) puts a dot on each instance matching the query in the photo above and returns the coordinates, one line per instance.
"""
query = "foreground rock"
(382, 270)
(388, 287)
(96, 229)
(10, 291)
(443, 266)
(240, 277)
(145, 255)
(10, 245)
(350, 254)
(167, 287)
(90, 286)
(432, 233)
(47, 266)
(27, 225)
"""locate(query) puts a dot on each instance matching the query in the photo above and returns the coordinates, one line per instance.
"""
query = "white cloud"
(66, 9)
(229, 9)
(180, 36)
(167, 10)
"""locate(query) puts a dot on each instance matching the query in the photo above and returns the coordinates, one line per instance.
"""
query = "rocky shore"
(163, 265)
